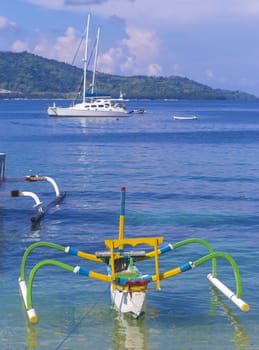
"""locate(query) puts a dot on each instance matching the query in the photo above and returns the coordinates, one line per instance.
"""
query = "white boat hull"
(188, 117)
(126, 302)
(75, 112)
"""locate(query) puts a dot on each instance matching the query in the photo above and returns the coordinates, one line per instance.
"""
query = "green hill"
(31, 76)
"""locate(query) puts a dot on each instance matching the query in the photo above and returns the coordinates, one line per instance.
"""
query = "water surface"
(183, 178)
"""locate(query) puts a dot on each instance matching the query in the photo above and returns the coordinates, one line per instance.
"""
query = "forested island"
(25, 75)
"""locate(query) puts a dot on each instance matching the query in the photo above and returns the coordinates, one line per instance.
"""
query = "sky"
(213, 42)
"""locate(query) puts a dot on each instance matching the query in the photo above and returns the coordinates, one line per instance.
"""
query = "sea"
(183, 179)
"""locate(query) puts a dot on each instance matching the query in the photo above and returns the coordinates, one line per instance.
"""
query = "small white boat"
(185, 117)
(93, 105)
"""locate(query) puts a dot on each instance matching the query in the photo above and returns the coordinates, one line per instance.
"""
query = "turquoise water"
(183, 178)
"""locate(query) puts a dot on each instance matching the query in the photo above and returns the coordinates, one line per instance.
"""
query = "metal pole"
(122, 214)
(2, 166)
(86, 56)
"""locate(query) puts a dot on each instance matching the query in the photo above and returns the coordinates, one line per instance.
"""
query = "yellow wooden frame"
(113, 244)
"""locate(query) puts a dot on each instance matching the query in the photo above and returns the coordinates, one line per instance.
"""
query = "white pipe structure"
(228, 293)
(30, 312)
(54, 184)
(45, 178)
(37, 204)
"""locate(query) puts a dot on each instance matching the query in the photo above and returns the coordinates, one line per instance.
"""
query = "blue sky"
(214, 42)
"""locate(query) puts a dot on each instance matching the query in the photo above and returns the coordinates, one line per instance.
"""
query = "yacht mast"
(85, 56)
(95, 59)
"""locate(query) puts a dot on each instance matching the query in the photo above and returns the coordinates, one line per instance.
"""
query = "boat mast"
(95, 59)
(85, 56)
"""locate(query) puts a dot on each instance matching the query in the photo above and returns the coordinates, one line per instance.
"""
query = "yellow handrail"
(118, 243)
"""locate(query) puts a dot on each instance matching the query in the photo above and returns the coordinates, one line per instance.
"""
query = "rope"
(75, 327)
(73, 61)
(87, 67)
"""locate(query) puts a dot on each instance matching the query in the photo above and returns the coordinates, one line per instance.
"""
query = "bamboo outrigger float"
(128, 286)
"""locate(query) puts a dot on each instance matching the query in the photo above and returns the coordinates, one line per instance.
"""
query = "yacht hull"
(73, 112)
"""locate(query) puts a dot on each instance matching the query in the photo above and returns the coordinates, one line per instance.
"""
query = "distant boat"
(93, 104)
(185, 117)
(137, 111)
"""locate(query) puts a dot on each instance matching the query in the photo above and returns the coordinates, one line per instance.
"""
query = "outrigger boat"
(38, 204)
(128, 286)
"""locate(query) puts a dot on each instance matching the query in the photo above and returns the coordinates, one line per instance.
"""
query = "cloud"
(6, 24)
(142, 47)
(154, 69)
(141, 42)
(49, 4)
(209, 73)
(108, 60)
(63, 48)
(246, 8)
(170, 13)
(195, 38)
(20, 45)
(84, 2)
(134, 55)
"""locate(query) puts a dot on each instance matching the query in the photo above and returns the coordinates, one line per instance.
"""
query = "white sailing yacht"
(92, 105)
